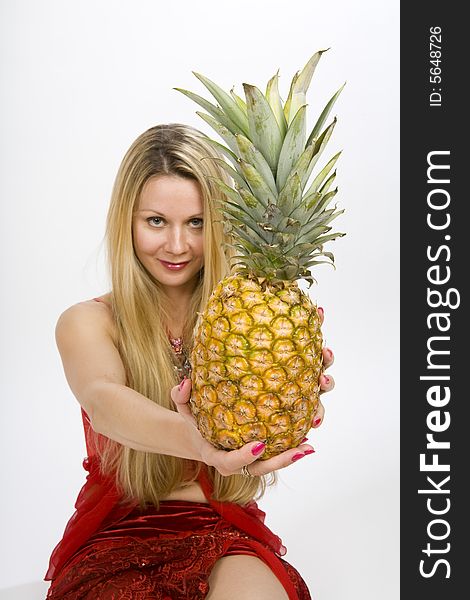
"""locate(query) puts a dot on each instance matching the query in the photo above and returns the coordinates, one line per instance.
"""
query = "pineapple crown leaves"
(277, 223)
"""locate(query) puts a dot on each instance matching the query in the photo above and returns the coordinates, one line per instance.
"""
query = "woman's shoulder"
(92, 313)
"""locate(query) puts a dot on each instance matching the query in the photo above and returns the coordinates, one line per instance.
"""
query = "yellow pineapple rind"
(256, 359)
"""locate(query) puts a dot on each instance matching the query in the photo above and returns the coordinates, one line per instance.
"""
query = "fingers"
(231, 462)
(281, 461)
(318, 416)
(328, 357)
(180, 394)
(327, 383)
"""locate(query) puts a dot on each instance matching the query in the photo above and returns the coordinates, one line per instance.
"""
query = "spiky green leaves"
(275, 102)
(277, 227)
(299, 87)
(264, 130)
(292, 147)
(228, 105)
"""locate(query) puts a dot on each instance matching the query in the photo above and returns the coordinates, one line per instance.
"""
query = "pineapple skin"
(256, 363)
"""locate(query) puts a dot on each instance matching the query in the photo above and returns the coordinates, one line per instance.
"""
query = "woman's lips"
(174, 266)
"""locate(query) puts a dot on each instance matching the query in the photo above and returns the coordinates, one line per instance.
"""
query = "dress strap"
(105, 302)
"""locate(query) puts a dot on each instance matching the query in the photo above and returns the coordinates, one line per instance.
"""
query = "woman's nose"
(176, 242)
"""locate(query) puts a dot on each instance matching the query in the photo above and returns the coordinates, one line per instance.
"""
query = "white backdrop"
(80, 81)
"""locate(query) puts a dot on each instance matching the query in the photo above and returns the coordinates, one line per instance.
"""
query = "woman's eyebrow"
(155, 212)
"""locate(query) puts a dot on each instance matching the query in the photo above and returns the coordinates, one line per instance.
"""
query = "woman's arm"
(95, 373)
(96, 376)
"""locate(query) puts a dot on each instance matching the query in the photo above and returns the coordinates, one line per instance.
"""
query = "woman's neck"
(177, 316)
(177, 309)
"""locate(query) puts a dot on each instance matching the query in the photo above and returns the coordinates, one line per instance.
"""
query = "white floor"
(30, 591)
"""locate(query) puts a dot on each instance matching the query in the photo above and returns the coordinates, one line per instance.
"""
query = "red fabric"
(114, 551)
(97, 501)
(130, 561)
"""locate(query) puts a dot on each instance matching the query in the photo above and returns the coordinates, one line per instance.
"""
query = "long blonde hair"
(140, 307)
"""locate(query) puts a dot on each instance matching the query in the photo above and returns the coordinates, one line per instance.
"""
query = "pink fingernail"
(309, 451)
(320, 310)
(326, 379)
(180, 387)
(317, 421)
(258, 448)
(304, 440)
(297, 456)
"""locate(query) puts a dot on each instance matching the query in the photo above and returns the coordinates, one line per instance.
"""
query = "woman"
(163, 513)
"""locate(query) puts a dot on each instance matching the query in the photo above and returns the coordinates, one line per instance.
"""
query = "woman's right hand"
(230, 462)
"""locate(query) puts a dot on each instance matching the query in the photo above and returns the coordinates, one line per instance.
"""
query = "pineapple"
(257, 352)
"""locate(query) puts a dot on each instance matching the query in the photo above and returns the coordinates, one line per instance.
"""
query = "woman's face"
(168, 231)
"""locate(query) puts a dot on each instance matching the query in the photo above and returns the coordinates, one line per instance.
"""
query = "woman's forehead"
(170, 193)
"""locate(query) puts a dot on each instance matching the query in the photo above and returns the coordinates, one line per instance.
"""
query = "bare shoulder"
(86, 316)
(85, 336)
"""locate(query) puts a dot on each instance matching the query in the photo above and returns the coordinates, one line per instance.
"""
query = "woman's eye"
(196, 222)
(155, 221)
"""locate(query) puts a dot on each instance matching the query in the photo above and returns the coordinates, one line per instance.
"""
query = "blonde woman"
(163, 514)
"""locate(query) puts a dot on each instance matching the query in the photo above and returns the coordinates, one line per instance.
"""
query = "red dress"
(115, 551)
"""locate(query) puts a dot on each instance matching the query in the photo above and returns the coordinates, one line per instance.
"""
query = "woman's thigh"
(244, 578)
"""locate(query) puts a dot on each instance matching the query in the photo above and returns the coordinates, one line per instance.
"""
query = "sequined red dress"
(115, 551)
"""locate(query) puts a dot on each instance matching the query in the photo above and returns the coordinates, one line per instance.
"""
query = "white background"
(80, 81)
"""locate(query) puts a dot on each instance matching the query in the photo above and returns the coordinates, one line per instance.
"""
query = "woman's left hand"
(327, 383)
